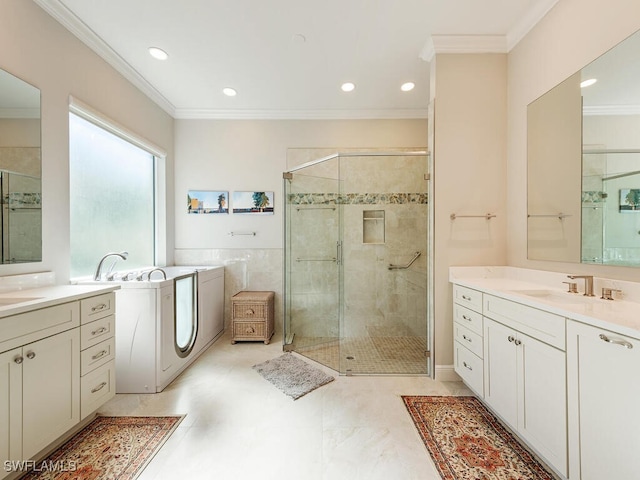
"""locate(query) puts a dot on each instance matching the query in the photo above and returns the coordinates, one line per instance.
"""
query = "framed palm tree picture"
(207, 201)
(260, 203)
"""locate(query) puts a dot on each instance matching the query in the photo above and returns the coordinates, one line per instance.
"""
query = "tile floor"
(238, 426)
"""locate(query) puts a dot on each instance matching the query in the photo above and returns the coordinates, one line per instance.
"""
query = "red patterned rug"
(107, 448)
(466, 441)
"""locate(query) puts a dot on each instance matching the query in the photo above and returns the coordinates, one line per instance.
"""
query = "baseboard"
(446, 373)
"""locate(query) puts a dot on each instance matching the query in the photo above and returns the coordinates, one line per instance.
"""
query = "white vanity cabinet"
(525, 377)
(604, 394)
(467, 330)
(40, 378)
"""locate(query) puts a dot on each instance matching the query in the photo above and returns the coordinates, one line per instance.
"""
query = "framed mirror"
(583, 164)
(20, 171)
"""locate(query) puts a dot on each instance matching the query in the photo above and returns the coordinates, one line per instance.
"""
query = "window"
(112, 198)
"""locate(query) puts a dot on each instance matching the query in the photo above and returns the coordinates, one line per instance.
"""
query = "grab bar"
(332, 259)
(403, 267)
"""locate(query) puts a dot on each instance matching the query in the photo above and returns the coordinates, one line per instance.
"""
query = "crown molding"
(377, 114)
(71, 22)
(438, 44)
(536, 13)
(611, 110)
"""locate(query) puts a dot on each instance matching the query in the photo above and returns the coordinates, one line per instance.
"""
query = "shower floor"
(367, 355)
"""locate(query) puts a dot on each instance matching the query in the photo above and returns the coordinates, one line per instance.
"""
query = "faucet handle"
(573, 287)
(607, 293)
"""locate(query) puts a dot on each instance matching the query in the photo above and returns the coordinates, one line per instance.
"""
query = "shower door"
(312, 257)
(356, 229)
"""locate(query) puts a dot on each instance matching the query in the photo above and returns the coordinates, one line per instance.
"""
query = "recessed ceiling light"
(588, 83)
(407, 87)
(348, 87)
(158, 53)
(229, 92)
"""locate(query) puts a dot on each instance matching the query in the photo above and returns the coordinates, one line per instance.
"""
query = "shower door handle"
(339, 252)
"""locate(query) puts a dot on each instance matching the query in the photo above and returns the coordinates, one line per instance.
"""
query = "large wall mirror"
(583, 164)
(20, 171)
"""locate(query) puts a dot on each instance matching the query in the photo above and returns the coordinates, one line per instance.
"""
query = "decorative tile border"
(24, 199)
(593, 196)
(357, 198)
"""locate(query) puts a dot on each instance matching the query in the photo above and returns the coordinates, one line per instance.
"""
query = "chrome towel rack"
(487, 216)
(404, 267)
(233, 234)
(328, 259)
(559, 216)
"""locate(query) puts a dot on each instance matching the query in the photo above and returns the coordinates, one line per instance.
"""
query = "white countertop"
(35, 298)
(621, 316)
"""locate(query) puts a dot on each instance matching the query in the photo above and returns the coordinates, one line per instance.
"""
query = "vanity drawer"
(470, 319)
(97, 388)
(97, 307)
(544, 326)
(468, 297)
(96, 332)
(469, 339)
(470, 367)
(97, 355)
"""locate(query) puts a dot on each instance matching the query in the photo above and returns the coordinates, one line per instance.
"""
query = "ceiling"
(288, 58)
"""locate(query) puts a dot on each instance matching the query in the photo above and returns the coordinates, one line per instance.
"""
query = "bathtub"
(163, 325)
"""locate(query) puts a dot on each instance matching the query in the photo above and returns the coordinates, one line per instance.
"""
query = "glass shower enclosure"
(356, 262)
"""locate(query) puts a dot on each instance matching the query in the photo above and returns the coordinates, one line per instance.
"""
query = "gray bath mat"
(292, 375)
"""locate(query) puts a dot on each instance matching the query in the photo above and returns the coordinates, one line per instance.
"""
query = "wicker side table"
(252, 316)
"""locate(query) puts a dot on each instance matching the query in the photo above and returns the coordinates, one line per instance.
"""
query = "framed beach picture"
(260, 203)
(630, 200)
(207, 201)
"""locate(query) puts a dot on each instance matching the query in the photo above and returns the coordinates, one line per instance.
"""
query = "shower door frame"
(429, 354)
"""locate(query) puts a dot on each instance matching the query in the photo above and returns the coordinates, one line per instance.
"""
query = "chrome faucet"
(588, 283)
(157, 269)
(98, 274)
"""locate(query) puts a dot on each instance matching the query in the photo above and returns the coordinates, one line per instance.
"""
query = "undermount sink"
(12, 301)
(554, 296)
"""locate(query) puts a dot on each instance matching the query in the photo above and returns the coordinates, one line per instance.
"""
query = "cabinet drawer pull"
(511, 338)
(466, 365)
(18, 360)
(99, 354)
(468, 319)
(31, 355)
(467, 338)
(99, 331)
(622, 343)
(518, 342)
(98, 308)
(99, 387)
(250, 330)
(250, 311)
(464, 297)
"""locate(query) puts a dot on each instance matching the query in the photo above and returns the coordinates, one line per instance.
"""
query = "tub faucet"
(588, 283)
(164, 274)
(98, 274)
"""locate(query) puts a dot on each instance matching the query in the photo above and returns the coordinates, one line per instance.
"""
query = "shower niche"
(373, 226)
(348, 217)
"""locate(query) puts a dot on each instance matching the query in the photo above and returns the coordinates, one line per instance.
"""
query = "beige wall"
(469, 175)
(572, 34)
(39, 50)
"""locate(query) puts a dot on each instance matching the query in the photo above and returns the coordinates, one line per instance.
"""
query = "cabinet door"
(50, 390)
(604, 390)
(500, 370)
(10, 407)
(542, 412)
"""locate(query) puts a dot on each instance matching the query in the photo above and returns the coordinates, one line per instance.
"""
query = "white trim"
(446, 373)
(536, 13)
(611, 110)
(299, 114)
(88, 113)
(438, 44)
(71, 22)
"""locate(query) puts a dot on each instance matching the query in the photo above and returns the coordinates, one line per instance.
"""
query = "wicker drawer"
(252, 316)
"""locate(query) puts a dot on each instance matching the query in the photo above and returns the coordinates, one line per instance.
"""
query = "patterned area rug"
(467, 442)
(292, 376)
(108, 448)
